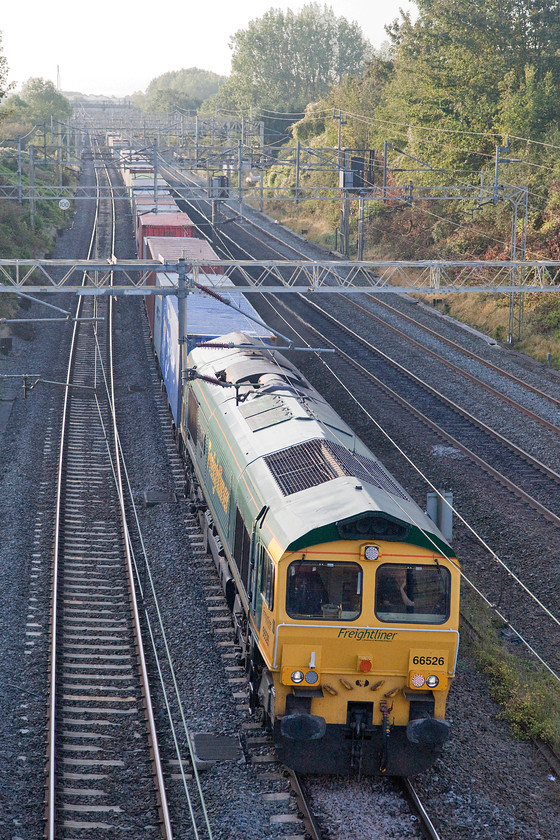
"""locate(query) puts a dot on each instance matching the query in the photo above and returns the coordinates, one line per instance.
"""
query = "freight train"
(345, 595)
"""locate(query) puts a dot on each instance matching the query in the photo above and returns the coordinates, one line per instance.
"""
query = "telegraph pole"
(240, 172)
(341, 122)
(32, 204)
(298, 149)
(515, 318)
(19, 170)
(156, 174)
(360, 228)
(344, 223)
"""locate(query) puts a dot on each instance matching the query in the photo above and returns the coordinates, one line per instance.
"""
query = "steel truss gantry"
(429, 277)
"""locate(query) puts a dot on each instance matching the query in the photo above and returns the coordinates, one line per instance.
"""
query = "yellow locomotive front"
(362, 643)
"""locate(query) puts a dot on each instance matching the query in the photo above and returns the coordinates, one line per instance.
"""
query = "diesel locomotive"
(344, 593)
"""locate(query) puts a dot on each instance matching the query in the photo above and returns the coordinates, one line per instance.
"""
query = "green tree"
(38, 101)
(361, 95)
(4, 86)
(184, 89)
(458, 60)
(284, 60)
(528, 108)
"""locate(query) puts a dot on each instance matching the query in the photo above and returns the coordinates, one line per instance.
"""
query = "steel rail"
(119, 467)
(505, 373)
(311, 825)
(156, 758)
(51, 828)
(427, 825)
(51, 724)
(465, 374)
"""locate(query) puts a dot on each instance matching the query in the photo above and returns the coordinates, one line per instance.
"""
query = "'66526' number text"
(428, 660)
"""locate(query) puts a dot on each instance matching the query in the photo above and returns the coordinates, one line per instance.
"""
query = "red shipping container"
(189, 248)
(143, 205)
(176, 224)
(163, 224)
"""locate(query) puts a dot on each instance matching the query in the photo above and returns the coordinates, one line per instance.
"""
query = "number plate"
(431, 659)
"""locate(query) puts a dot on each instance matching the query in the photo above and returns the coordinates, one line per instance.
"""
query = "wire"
(159, 617)
(472, 530)
(534, 142)
(430, 128)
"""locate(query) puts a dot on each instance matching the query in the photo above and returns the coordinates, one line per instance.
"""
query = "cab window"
(242, 547)
(267, 577)
(192, 417)
(325, 591)
(412, 594)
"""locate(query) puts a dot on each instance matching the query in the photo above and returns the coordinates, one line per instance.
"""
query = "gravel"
(486, 783)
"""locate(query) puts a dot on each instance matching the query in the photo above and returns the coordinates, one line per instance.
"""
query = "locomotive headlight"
(417, 680)
(371, 552)
(432, 681)
(297, 676)
(311, 677)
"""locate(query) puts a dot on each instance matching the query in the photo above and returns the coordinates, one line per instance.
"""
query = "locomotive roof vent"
(276, 380)
(317, 461)
(250, 371)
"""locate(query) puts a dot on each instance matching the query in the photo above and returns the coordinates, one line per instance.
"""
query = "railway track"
(460, 349)
(391, 802)
(525, 476)
(522, 468)
(458, 369)
(103, 772)
(517, 470)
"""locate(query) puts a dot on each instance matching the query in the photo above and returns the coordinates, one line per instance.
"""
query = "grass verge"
(525, 690)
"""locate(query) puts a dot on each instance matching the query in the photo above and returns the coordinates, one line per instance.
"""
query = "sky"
(116, 48)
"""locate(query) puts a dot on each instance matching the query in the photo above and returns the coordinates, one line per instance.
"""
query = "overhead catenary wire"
(159, 618)
(469, 527)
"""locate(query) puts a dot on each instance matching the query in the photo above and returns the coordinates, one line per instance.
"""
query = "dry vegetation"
(405, 235)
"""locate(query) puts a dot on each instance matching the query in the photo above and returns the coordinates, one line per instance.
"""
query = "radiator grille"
(317, 461)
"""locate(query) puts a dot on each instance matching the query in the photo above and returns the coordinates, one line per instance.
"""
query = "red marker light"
(365, 665)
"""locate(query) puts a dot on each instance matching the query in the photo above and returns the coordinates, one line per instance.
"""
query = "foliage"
(4, 86)
(184, 89)
(453, 84)
(19, 237)
(459, 63)
(455, 81)
(526, 692)
(544, 315)
(37, 102)
(360, 95)
(527, 106)
(284, 60)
